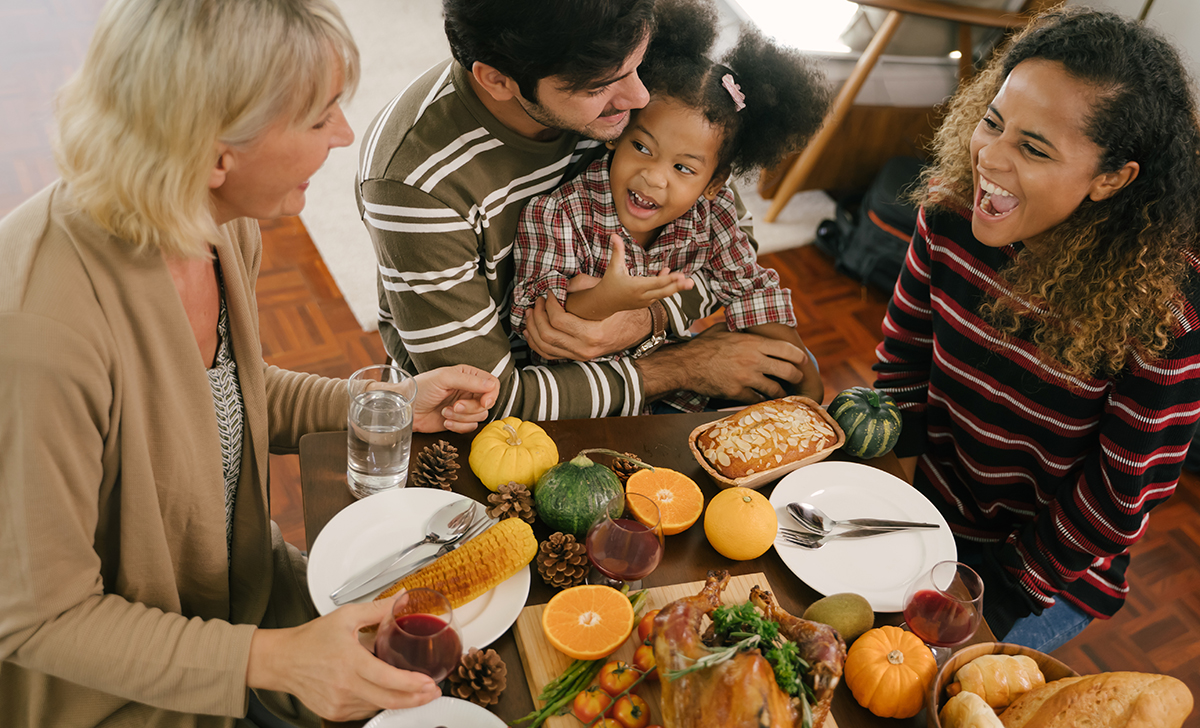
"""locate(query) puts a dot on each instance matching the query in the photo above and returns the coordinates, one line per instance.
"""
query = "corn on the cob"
(477, 566)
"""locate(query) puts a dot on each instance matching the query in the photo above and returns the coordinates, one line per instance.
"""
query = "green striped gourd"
(870, 419)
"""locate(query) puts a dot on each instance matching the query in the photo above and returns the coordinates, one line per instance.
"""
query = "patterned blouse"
(227, 397)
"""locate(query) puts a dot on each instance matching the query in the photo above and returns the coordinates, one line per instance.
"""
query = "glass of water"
(379, 429)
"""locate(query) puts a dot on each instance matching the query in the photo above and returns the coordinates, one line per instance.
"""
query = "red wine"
(940, 620)
(624, 549)
(421, 643)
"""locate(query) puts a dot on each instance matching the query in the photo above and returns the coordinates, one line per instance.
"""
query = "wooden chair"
(802, 165)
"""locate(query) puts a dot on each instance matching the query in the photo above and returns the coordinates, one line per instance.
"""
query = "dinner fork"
(812, 541)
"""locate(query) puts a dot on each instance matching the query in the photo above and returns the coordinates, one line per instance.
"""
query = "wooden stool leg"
(966, 61)
(841, 106)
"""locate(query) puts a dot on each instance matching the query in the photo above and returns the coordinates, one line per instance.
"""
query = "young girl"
(658, 203)
(1042, 340)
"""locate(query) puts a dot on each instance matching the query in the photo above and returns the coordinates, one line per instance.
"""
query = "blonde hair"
(164, 81)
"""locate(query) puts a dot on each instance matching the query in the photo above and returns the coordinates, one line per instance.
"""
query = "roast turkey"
(740, 692)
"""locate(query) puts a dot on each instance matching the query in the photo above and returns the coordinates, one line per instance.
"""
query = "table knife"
(410, 564)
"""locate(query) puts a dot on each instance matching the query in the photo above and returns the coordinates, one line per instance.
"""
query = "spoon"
(447, 524)
(814, 519)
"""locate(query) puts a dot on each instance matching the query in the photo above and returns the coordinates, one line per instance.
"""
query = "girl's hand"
(324, 664)
(453, 398)
(633, 292)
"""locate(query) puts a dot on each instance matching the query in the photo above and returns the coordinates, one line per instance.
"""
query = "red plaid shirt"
(567, 232)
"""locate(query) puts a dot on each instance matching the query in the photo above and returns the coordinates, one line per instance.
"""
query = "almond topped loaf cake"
(766, 435)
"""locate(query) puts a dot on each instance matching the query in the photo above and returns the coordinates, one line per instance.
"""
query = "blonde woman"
(143, 581)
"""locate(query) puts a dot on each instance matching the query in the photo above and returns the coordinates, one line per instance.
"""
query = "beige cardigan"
(118, 605)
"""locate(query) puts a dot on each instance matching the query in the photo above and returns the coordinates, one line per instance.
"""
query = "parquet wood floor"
(307, 326)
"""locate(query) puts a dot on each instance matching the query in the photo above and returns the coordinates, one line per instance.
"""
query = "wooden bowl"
(935, 696)
(758, 480)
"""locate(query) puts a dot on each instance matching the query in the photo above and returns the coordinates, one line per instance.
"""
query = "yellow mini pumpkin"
(888, 670)
(511, 450)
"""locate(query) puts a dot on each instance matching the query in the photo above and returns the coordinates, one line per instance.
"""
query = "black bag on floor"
(870, 245)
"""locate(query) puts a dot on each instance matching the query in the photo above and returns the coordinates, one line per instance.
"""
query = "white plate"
(448, 712)
(880, 569)
(364, 531)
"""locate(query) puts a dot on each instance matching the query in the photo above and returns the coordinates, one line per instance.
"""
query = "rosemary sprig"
(716, 657)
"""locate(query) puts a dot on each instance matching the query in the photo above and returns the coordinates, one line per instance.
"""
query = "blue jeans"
(1052, 629)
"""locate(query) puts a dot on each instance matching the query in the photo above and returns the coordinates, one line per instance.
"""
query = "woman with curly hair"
(641, 221)
(1043, 337)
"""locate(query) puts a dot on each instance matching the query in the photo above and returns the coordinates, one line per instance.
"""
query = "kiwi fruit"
(850, 614)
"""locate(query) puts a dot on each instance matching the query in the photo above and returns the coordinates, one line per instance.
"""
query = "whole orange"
(740, 524)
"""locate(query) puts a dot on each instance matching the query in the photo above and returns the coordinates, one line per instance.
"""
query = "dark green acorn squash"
(570, 496)
(870, 419)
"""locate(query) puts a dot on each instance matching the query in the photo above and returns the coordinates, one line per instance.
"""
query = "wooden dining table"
(660, 440)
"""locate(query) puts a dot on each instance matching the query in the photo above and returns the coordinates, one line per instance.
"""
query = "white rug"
(399, 40)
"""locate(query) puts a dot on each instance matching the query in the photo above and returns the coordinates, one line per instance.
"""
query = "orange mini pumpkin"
(888, 671)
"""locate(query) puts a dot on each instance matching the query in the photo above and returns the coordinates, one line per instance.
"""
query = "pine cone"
(512, 500)
(624, 468)
(480, 677)
(562, 561)
(435, 466)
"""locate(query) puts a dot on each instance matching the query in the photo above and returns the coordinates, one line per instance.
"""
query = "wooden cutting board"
(543, 663)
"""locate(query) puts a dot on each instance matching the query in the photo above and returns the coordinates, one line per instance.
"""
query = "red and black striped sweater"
(1055, 475)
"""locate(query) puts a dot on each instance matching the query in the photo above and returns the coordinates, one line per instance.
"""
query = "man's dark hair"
(582, 42)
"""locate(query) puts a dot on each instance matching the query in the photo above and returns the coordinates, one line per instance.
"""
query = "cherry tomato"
(631, 711)
(644, 661)
(646, 626)
(591, 703)
(607, 723)
(616, 677)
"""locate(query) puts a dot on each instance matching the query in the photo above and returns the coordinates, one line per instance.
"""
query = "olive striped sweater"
(441, 185)
(1055, 475)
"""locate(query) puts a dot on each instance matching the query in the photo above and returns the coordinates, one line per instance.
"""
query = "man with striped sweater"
(534, 89)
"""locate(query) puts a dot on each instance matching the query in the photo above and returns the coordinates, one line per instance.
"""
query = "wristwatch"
(658, 331)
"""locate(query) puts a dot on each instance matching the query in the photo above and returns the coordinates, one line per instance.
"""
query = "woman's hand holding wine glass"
(420, 634)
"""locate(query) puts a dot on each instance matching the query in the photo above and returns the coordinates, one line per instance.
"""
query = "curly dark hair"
(582, 42)
(1111, 286)
(786, 95)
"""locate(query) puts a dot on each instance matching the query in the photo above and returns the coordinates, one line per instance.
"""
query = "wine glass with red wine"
(420, 635)
(944, 607)
(626, 543)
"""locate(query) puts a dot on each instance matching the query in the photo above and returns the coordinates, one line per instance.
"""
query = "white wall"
(1179, 20)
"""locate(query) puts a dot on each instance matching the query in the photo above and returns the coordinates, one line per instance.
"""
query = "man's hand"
(554, 333)
(453, 398)
(324, 664)
(722, 363)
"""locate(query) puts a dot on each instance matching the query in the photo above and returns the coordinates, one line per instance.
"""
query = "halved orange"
(679, 499)
(588, 622)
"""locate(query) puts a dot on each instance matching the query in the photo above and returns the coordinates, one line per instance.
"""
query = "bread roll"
(765, 436)
(968, 710)
(1107, 700)
(998, 679)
